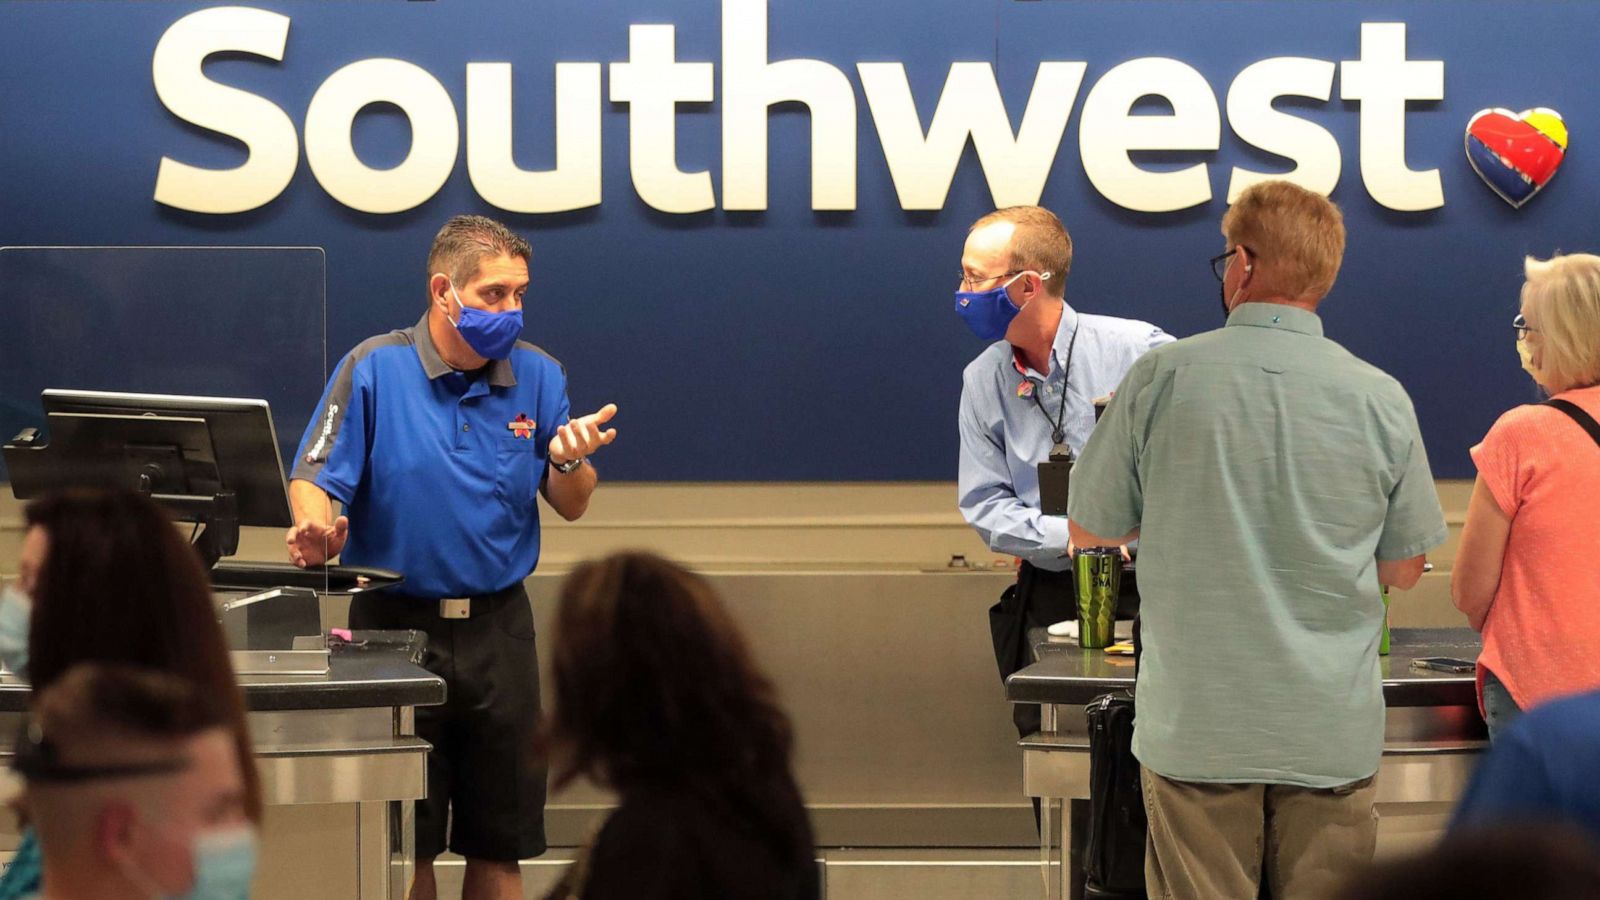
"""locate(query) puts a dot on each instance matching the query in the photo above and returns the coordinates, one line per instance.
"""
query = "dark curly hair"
(655, 687)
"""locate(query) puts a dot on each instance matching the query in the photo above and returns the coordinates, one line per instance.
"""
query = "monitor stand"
(217, 516)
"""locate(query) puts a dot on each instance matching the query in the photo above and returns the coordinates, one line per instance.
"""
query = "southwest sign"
(921, 156)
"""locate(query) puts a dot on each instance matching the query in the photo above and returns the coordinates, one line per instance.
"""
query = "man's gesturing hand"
(582, 436)
(313, 543)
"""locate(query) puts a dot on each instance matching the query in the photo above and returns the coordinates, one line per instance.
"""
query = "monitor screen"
(244, 443)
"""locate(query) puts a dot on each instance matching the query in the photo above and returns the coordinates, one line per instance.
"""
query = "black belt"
(467, 607)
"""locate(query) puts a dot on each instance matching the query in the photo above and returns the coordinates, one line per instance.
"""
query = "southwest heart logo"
(1516, 154)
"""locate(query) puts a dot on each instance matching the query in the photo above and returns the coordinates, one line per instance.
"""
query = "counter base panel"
(1428, 757)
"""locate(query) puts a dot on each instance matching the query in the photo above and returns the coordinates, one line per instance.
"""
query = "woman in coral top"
(1526, 573)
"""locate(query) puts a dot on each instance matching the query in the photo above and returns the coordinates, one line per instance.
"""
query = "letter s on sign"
(264, 128)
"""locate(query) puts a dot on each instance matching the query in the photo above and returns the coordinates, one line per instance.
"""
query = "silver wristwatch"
(568, 467)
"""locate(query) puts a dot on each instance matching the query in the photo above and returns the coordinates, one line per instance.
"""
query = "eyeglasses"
(969, 282)
(1219, 263)
(1522, 327)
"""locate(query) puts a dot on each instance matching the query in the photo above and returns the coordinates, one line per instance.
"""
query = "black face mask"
(1222, 279)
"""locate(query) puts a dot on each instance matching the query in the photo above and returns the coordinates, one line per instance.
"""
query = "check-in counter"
(1432, 737)
(340, 762)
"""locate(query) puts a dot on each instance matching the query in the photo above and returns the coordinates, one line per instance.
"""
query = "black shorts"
(485, 784)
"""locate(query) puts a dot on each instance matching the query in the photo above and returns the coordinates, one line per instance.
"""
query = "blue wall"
(798, 345)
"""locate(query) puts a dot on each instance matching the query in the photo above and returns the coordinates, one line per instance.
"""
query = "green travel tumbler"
(1099, 580)
(1383, 643)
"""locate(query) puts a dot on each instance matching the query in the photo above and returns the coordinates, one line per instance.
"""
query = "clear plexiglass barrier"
(199, 322)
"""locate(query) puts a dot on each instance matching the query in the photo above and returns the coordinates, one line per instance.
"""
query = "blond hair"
(1296, 236)
(1563, 293)
(1040, 243)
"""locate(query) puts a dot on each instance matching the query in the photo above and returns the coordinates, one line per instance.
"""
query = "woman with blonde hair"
(1525, 573)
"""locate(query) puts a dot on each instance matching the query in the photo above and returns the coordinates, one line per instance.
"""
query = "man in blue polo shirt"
(436, 440)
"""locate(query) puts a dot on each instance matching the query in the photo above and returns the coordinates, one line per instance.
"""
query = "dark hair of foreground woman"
(657, 697)
(120, 585)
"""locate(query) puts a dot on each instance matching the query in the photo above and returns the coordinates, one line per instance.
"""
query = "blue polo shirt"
(438, 470)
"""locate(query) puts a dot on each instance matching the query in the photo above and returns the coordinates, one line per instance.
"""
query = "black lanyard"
(1058, 425)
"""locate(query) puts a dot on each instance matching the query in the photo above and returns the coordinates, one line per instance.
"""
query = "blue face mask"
(987, 313)
(16, 615)
(490, 335)
(224, 863)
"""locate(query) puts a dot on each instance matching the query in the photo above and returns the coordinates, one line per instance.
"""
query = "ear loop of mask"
(1043, 277)
(1233, 302)
(455, 295)
(141, 882)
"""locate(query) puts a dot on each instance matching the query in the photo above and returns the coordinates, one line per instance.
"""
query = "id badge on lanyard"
(1055, 474)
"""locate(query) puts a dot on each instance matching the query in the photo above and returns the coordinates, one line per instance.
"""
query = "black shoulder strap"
(1578, 415)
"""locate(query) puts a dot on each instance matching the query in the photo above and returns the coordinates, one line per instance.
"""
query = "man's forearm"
(310, 503)
(569, 494)
(1401, 573)
(1082, 537)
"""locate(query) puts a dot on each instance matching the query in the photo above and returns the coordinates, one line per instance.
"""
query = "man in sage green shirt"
(1274, 482)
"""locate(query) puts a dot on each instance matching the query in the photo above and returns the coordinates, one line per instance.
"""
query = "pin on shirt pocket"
(516, 470)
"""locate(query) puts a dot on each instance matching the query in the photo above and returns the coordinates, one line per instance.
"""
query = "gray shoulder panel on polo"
(308, 465)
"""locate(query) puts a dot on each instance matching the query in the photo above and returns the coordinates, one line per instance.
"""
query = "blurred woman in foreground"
(656, 698)
(105, 577)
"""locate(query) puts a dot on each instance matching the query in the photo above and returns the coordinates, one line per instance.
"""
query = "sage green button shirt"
(1268, 469)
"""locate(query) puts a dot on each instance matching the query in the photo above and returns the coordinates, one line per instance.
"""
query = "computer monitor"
(152, 454)
(208, 459)
(242, 435)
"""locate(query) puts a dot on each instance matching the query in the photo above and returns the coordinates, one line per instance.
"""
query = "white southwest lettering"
(652, 83)
(434, 135)
(322, 439)
(1016, 165)
(575, 181)
(1384, 80)
(1252, 118)
(921, 162)
(263, 127)
(1109, 130)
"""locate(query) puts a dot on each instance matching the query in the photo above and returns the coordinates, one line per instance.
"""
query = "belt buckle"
(455, 608)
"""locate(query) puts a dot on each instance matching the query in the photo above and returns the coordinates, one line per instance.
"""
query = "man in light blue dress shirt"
(1274, 482)
(1033, 388)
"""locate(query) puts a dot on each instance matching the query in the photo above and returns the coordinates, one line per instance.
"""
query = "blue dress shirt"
(1005, 435)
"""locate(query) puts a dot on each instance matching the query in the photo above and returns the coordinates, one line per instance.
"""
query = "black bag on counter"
(1040, 598)
(1114, 861)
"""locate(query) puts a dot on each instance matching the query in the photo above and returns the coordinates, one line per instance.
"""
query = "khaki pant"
(1216, 841)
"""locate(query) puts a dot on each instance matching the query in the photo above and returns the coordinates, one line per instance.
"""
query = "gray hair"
(465, 241)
